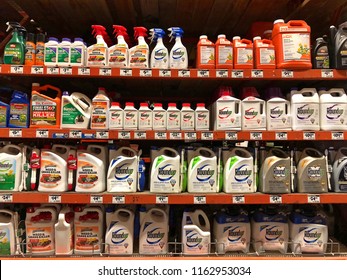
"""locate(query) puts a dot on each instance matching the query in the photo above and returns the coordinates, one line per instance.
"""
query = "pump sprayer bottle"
(119, 53)
(139, 54)
(97, 54)
(160, 55)
(178, 53)
(14, 52)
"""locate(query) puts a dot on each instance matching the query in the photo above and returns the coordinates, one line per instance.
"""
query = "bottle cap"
(279, 21)
(66, 40)
(129, 104)
(200, 105)
(158, 105)
(172, 104)
(186, 105)
(115, 104)
(102, 88)
(256, 38)
(236, 38)
(65, 93)
(203, 37)
(53, 39)
(143, 104)
(221, 36)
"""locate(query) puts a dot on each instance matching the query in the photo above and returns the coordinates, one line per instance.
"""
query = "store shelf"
(237, 74)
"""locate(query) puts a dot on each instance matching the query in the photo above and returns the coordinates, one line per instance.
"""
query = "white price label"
(96, 199)
(203, 73)
(309, 136)
(52, 70)
(190, 135)
(105, 71)
(17, 69)
(162, 199)
(84, 71)
(222, 73)
(123, 134)
(313, 198)
(160, 135)
(184, 73)
(238, 199)
(140, 135)
(75, 134)
(145, 72)
(237, 73)
(287, 74)
(201, 199)
(66, 71)
(102, 134)
(54, 198)
(6, 198)
(327, 73)
(275, 199)
(257, 73)
(176, 135)
(256, 136)
(230, 135)
(126, 72)
(164, 73)
(337, 136)
(118, 199)
(15, 133)
(207, 135)
(281, 136)
(42, 133)
(37, 70)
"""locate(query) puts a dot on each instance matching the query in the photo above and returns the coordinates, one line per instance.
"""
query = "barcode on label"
(162, 199)
(200, 199)
(237, 74)
(237, 199)
(126, 72)
(118, 199)
(230, 135)
(96, 199)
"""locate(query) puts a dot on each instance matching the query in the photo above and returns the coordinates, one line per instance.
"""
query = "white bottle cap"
(203, 37)
(221, 36)
(236, 38)
(279, 21)
(256, 38)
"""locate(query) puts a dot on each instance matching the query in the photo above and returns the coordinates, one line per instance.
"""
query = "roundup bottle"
(160, 54)
(159, 117)
(145, 117)
(130, 116)
(305, 109)
(243, 53)
(139, 54)
(196, 233)
(119, 238)
(202, 117)
(100, 110)
(320, 58)
(51, 52)
(178, 53)
(224, 53)
(238, 176)
(292, 44)
(205, 53)
(275, 172)
(264, 54)
(339, 176)
(14, 52)
(119, 53)
(64, 232)
(173, 117)
(116, 116)
(19, 110)
(8, 231)
(97, 54)
(11, 160)
(187, 117)
(30, 49)
(333, 109)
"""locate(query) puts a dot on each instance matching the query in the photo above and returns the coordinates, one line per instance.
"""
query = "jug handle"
(295, 23)
(47, 87)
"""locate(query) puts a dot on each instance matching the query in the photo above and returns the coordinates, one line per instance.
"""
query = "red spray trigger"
(140, 31)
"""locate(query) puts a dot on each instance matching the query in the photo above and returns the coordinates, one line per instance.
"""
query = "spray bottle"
(119, 53)
(30, 49)
(160, 55)
(178, 53)
(97, 54)
(139, 54)
(14, 52)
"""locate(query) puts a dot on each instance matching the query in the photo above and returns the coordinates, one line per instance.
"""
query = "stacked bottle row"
(149, 230)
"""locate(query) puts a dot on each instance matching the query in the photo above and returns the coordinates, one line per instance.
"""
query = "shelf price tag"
(313, 198)
(52, 70)
(327, 73)
(175, 135)
(201, 199)
(54, 198)
(75, 134)
(60, 135)
(287, 74)
(281, 136)
(7, 198)
(207, 135)
(102, 134)
(237, 73)
(276, 199)
(162, 199)
(257, 73)
(256, 136)
(230, 135)
(126, 72)
(309, 136)
(222, 73)
(118, 199)
(160, 135)
(203, 73)
(164, 73)
(96, 199)
(42, 133)
(105, 71)
(87, 135)
(190, 135)
(184, 73)
(337, 136)
(123, 134)
(238, 199)
(145, 72)
(140, 135)
(66, 71)
(83, 71)
(17, 69)
(36, 70)
(15, 133)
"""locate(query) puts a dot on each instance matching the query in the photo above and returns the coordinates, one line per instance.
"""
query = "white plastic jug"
(339, 176)
(64, 232)
(8, 227)
(11, 168)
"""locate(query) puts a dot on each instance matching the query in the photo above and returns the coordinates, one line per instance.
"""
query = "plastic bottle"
(224, 53)
(100, 110)
(40, 49)
(130, 116)
(178, 53)
(173, 117)
(159, 117)
(77, 53)
(187, 117)
(11, 168)
(145, 117)
(116, 116)
(160, 54)
(97, 54)
(63, 230)
(14, 52)
(64, 52)
(4, 114)
(264, 54)
(243, 53)
(205, 53)
(30, 49)
(51, 52)
(320, 57)
(202, 117)
(139, 54)
(119, 53)
(8, 231)
(340, 47)
(19, 110)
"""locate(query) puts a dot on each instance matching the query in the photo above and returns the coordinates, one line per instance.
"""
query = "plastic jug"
(339, 175)
(19, 110)
(100, 110)
(64, 232)
(173, 117)
(8, 228)
(159, 117)
(64, 52)
(340, 48)
(196, 235)
(116, 116)
(264, 54)
(130, 116)
(154, 232)
(4, 114)
(119, 238)
(238, 176)
(243, 53)
(45, 110)
(202, 117)
(51, 52)
(333, 109)
(320, 56)
(224, 53)
(11, 159)
(205, 53)
(187, 117)
(146, 117)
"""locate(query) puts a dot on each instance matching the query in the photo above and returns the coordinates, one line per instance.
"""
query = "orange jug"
(243, 53)
(264, 54)
(224, 53)
(205, 54)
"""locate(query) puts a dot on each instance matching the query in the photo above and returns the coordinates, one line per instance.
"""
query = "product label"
(116, 119)
(225, 55)
(206, 55)
(50, 54)
(307, 114)
(120, 242)
(86, 237)
(159, 120)
(138, 57)
(5, 241)
(43, 111)
(166, 175)
(71, 115)
(267, 56)
(160, 58)
(40, 55)
(18, 114)
(130, 119)
(3, 116)
(195, 243)
(145, 119)
(173, 120)
(342, 179)
(29, 53)
(314, 172)
(335, 115)
(99, 115)
(63, 54)
(226, 117)
(296, 47)
(178, 58)
(203, 178)
(13, 55)
(239, 176)
(124, 175)
(273, 237)
(187, 120)
(322, 58)
(96, 56)
(278, 117)
(279, 180)
(154, 239)
(202, 120)
(312, 238)
(76, 55)
(39, 238)
(87, 173)
(245, 56)
(7, 174)
(252, 118)
(234, 238)
(51, 173)
(118, 56)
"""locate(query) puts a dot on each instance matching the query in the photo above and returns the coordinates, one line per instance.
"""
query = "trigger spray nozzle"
(14, 25)
(140, 31)
(175, 32)
(155, 33)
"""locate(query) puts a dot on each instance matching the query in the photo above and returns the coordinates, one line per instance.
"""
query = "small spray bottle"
(178, 53)
(14, 52)
(97, 54)
(160, 55)
(139, 54)
(119, 53)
